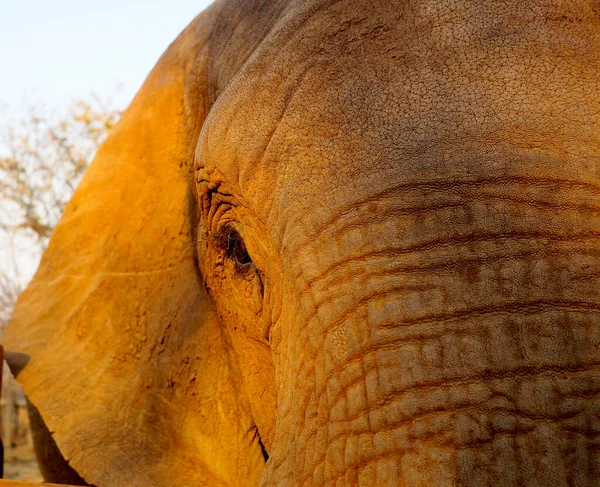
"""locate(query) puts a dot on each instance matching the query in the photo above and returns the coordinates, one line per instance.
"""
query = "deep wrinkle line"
(403, 422)
(480, 378)
(449, 266)
(405, 270)
(538, 203)
(447, 446)
(386, 214)
(393, 290)
(442, 186)
(445, 319)
(392, 343)
(528, 307)
(445, 242)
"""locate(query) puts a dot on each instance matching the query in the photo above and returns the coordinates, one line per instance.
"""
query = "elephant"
(335, 242)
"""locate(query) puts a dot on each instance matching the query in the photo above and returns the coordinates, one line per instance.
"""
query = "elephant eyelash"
(235, 249)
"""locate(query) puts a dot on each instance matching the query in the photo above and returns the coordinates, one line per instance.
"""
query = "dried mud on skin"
(20, 464)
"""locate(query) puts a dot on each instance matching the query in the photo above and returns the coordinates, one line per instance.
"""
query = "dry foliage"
(42, 159)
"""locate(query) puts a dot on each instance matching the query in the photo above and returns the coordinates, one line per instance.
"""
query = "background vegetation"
(43, 156)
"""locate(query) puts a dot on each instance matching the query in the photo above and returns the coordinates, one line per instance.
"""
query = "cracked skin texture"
(417, 187)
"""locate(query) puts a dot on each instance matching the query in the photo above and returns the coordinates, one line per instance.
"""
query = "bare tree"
(42, 159)
(9, 290)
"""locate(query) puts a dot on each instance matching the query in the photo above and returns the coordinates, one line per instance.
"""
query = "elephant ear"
(129, 368)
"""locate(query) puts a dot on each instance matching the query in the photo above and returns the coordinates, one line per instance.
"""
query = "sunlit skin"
(336, 243)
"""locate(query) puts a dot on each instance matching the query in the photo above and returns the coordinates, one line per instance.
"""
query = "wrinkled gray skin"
(417, 188)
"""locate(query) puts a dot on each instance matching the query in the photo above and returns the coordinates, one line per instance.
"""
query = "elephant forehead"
(358, 97)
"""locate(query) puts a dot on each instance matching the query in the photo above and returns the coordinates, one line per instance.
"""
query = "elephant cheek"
(239, 302)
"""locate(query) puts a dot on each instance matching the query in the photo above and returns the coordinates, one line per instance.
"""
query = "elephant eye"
(236, 249)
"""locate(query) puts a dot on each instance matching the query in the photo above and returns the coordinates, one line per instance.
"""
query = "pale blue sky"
(56, 50)
(53, 52)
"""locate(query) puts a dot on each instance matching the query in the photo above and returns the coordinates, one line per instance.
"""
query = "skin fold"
(336, 243)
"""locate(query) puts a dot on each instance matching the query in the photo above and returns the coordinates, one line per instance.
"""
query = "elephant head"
(336, 243)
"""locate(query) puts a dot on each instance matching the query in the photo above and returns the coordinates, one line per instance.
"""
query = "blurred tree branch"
(9, 290)
(42, 159)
